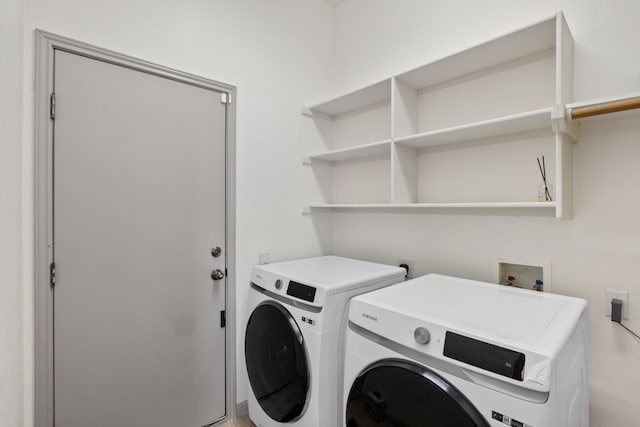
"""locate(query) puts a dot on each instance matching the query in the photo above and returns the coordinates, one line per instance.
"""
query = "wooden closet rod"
(605, 108)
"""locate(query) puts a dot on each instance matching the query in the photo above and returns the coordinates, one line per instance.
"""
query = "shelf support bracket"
(561, 124)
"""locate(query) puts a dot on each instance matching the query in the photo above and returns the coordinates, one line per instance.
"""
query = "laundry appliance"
(294, 336)
(448, 352)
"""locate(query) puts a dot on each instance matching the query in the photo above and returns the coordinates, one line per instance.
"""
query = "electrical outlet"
(264, 258)
(623, 296)
(411, 263)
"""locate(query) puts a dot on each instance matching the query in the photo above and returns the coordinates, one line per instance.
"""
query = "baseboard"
(242, 408)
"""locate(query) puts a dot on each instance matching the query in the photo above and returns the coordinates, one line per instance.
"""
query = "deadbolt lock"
(215, 252)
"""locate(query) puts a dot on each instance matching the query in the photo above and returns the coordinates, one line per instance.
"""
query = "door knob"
(217, 274)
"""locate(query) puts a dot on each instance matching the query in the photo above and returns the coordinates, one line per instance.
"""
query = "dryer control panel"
(493, 358)
(290, 289)
(298, 290)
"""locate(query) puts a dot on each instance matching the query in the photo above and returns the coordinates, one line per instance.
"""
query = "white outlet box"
(623, 296)
(264, 258)
(525, 270)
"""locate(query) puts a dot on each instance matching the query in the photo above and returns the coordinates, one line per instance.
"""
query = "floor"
(243, 421)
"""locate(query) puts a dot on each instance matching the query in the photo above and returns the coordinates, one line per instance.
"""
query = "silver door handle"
(217, 274)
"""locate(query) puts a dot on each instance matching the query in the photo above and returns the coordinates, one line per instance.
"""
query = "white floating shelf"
(361, 151)
(532, 39)
(370, 95)
(466, 205)
(494, 91)
(517, 123)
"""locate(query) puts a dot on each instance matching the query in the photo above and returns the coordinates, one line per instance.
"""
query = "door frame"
(47, 43)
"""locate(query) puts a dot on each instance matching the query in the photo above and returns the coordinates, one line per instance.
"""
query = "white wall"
(280, 54)
(11, 333)
(275, 52)
(600, 248)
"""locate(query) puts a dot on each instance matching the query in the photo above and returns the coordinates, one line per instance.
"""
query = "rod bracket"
(560, 122)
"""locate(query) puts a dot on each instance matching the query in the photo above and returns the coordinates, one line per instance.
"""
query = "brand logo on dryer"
(370, 317)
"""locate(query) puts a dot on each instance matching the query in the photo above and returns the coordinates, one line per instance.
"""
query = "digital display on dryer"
(298, 290)
(499, 360)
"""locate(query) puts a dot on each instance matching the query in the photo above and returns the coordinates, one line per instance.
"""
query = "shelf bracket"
(560, 122)
(306, 111)
(306, 160)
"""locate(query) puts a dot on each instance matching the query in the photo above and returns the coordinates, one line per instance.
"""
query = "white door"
(139, 203)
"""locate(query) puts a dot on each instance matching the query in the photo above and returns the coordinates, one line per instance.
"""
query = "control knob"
(422, 335)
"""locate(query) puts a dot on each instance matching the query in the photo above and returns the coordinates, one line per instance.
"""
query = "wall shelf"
(509, 125)
(467, 205)
(539, 37)
(460, 133)
(356, 100)
(513, 208)
(361, 151)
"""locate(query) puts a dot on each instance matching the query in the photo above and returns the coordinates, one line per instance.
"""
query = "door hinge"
(52, 106)
(52, 274)
(225, 98)
(223, 318)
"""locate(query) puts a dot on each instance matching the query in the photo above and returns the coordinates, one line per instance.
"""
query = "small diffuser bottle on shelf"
(545, 193)
(544, 189)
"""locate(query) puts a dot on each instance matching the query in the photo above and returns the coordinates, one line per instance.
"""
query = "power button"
(279, 284)
(422, 335)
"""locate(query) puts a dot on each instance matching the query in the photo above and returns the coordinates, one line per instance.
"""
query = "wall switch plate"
(623, 296)
(264, 258)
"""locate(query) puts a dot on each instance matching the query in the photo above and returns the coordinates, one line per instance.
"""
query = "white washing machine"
(294, 336)
(441, 351)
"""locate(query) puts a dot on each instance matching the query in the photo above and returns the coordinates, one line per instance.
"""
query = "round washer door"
(399, 393)
(276, 362)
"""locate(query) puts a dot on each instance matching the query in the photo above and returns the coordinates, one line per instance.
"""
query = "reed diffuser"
(544, 189)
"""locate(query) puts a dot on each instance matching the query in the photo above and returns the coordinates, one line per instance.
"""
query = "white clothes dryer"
(294, 336)
(448, 352)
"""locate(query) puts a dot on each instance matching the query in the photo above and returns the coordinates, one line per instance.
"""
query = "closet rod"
(605, 108)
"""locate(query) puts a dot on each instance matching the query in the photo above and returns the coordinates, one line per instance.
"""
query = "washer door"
(400, 393)
(276, 362)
